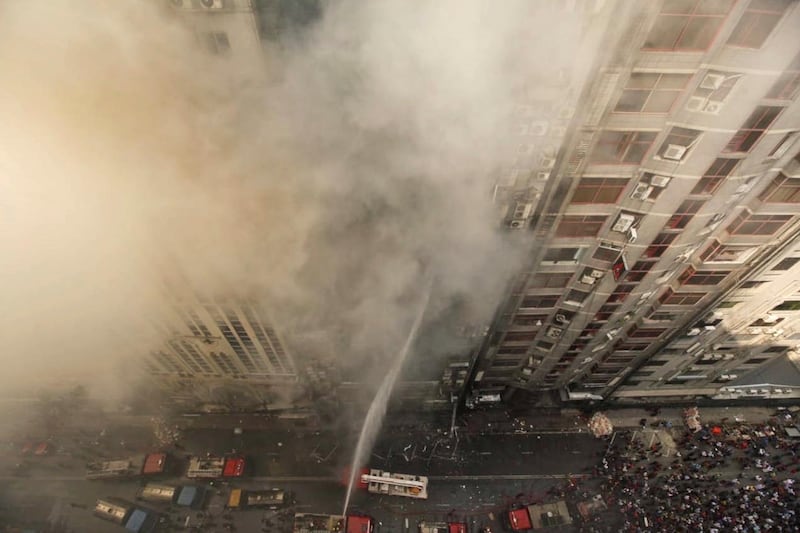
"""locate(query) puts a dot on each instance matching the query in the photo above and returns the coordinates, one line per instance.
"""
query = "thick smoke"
(328, 177)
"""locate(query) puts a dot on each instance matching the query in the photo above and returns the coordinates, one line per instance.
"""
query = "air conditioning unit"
(659, 181)
(675, 152)
(693, 332)
(695, 103)
(712, 81)
(538, 128)
(713, 107)
(632, 235)
(543, 176)
(597, 274)
(522, 210)
(561, 318)
(211, 4)
(516, 224)
(588, 280)
(623, 223)
(548, 162)
(641, 191)
(554, 333)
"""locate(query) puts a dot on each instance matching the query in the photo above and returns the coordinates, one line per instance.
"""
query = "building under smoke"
(666, 224)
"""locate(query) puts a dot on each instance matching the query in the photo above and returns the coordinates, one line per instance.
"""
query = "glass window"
(545, 280)
(691, 276)
(752, 130)
(660, 244)
(599, 190)
(580, 226)
(786, 263)
(622, 147)
(687, 24)
(684, 214)
(540, 301)
(788, 305)
(782, 190)
(720, 169)
(748, 224)
(562, 255)
(680, 298)
(788, 84)
(757, 22)
(651, 93)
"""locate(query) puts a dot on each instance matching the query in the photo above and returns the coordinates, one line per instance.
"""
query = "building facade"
(665, 232)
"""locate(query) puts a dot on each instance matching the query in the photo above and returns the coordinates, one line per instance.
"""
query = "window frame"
(596, 187)
(751, 16)
(622, 146)
(663, 18)
(584, 226)
(753, 129)
(660, 77)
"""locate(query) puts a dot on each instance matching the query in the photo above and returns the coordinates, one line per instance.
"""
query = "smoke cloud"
(328, 177)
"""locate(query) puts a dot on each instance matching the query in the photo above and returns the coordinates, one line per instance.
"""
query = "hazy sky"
(363, 162)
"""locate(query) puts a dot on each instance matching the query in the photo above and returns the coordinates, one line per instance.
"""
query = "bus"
(408, 485)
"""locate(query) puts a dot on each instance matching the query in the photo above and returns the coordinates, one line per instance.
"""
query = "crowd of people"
(737, 479)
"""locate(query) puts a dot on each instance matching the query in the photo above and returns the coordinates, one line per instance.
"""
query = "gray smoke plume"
(326, 176)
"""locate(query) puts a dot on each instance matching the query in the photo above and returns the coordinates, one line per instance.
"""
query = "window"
(607, 252)
(511, 350)
(529, 320)
(540, 301)
(599, 190)
(782, 190)
(655, 363)
(680, 298)
(621, 292)
(639, 270)
(678, 143)
(702, 277)
(660, 244)
(719, 170)
(504, 363)
(605, 312)
(520, 336)
(761, 324)
(752, 284)
(651, 93)
(786, 263)
(783, 145)
(727, 304)
(550, 280)
(788, 84)
(580, 226)
(755, 360)
(646, 333)
(788, 305)
(684, 214)
(722, 253)
(757, 22)
(216, 42)
(687, 24)
(748, 224)
(661, 316)
(753, 128)
(622, 147)
(576, 297)
(776, 349)
(562, 255)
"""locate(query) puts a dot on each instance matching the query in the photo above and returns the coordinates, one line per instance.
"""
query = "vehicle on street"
(538, 516)
(442, 527)
(408, 485)
(150, 465)
(211, 467)
(323, 523)
(246, 499)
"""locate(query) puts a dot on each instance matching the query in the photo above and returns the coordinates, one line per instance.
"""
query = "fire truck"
(322, 523)
(408, 485)
(538, 516)
(442, 527)
(150, 465)
(215, 467)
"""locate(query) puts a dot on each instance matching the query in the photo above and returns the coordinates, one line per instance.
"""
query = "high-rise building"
(664, 229)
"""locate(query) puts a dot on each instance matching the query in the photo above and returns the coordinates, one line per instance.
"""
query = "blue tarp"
(187, 496)
(136, 521)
